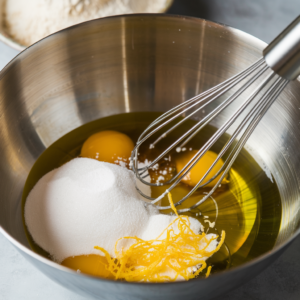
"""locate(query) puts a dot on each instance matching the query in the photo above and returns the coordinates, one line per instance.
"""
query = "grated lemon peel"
(184, 252)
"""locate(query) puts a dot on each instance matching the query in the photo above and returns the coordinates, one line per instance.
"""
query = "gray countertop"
(261, 18)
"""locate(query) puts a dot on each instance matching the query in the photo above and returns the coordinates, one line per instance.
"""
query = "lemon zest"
(208, 272)
(178, 249)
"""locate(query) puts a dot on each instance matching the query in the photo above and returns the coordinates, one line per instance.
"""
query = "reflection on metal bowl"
(135, 63)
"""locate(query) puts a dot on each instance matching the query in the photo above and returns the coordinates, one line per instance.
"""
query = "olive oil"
(247, 208)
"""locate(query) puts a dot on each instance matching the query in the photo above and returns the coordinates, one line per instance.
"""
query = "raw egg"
(201, 167)
(108, 146)
(89, 264)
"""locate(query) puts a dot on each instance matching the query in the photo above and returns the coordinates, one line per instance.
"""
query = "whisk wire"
(200, 124)
(282, 57)
(221, 91)
(195, 98)
(181, 174)
(224, 104)
(238, 147)
(217, 88)
(254, 112)
(258, 111)
(240, 128)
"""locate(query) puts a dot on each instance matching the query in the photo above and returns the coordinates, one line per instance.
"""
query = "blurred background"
(261, 18)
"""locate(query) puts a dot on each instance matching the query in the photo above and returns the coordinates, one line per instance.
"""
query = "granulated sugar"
(82, 204)
(157, 223)
(86, 203)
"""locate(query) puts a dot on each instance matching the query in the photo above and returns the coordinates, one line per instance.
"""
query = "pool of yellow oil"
(248, 206)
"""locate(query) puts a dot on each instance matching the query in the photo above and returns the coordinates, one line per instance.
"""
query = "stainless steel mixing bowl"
(129, 64)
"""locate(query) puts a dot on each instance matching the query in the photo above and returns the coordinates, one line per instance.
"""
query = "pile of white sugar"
(31, 20)
(83, 204)
(87, 203)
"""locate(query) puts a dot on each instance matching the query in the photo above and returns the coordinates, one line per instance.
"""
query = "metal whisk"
(280, 64)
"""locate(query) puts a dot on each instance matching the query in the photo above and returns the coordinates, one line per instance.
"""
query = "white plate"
(5, 38)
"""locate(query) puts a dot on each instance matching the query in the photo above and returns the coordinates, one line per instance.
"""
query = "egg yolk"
(201, 167)
(108, 146)
(89, 264)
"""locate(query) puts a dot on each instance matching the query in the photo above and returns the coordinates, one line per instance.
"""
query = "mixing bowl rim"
(182, 17)
(65, 269)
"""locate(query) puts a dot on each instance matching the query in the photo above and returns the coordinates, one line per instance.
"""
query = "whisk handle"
(283, 54)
